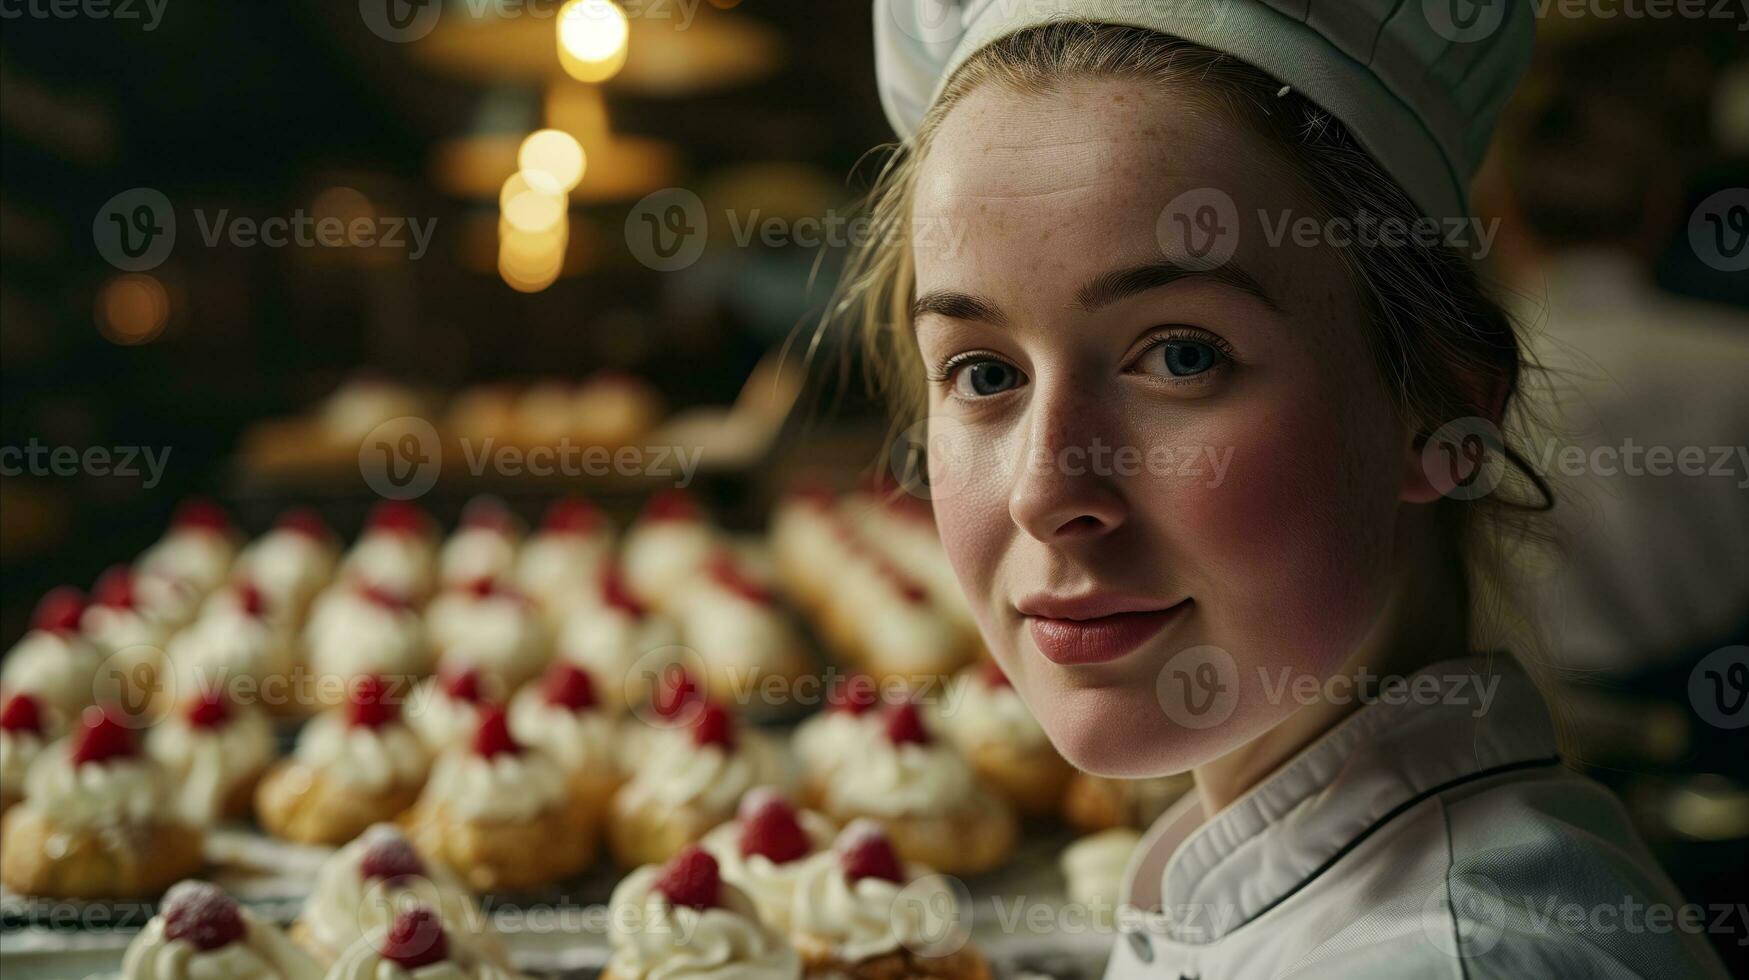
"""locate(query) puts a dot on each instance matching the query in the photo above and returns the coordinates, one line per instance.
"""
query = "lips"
(1094, 630)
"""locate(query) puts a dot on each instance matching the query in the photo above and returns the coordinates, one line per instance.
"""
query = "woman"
(1212, 395)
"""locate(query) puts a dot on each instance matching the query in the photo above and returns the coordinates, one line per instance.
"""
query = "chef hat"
(1419, 83)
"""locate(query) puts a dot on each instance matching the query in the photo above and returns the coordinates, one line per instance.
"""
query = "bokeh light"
(593, 36)
(132, 309)
(551, 160)
(527, 209)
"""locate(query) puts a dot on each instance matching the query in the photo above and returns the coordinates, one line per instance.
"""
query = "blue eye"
(1186, 358)
(984, 377)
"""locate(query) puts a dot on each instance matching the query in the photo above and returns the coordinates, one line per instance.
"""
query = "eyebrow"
(1100, 292)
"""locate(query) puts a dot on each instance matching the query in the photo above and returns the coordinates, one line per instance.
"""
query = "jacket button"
(1144, 950)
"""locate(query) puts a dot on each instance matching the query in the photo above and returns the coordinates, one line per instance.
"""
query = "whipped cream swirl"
(654, 940)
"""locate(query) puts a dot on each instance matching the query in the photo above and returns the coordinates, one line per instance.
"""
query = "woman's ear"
(1454, 458)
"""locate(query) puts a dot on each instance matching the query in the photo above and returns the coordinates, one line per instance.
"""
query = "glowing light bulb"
(552, 161)
(526, 208)
(592, 39)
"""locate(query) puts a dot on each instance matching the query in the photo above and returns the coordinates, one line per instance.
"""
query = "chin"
(1120, 733)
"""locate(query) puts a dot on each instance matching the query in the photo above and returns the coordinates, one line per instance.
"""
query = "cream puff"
(923, 792)
(751, 650)
(843, 734)
(198, 549)
(806, 546)
(492, 627)
(54, 662)
(682, 920)
(416, 945)
(610, 635)
(678, 794)
(861, 911)
(563, 717)
(95, 823)
(352, 767)
(1094, 803)
(200, 933)
(361, 886)
(502, 814)
(235, 648)
(560, 566)
(896, 632)
(291, 564)
(118, 618)
(1002, 740)
(669, 545)
(484, 546)
(764, 849)
(1093, 868)
(214, 752)
(445, 710)
(358, 631)
(397, 553)
(22, 737)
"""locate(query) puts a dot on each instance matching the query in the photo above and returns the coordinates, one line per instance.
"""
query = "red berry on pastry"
(208, 710)
(905, 725)
(103, 736)
(674, 692)
(415, 939)
(811, 494)
(59, 611)
(368, 704)
(690, 879)
(306, 522)
(250, 599)
(201, 914)
(390, 858)
(568, 686)
(461, 684)
(991, 672)
(115, 588)
(865, 852)
(486, 513)
(571, 515)
(614, 592)
(714, 727)
(855, 693)
(493, 736)
(382, 597)
(731, 577)
(769, 827)
(201, 513)
(21, 714)
(398, 516)
(671, 505)
(482, 587)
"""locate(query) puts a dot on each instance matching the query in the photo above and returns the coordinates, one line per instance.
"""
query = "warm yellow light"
(592, 39)
(132, 309)
(531, 261)
(551, 161)
(528, 209)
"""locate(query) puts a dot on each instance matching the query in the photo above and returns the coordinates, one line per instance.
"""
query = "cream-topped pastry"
(445, 709)
(608, 636)
(358, 631)
(682, 921)
(54, 663)
(735, 625)
(901, 631)
(491, 627)
(22, 737)
(396, 554)
(234, 647)
(843, 733)
(806, 544)
(200, 933)
(94, 821)
(484, 546)
(1094, 868)
(416, 946)
(560, 566)
(501, 813)
(362, 885)
(118, 619)
(902, 529)
(563, 717)
(362, 403)
(213, 751)
(291, 563)
(669, 545)
(764, 849)
(197, 549)
(999, 736)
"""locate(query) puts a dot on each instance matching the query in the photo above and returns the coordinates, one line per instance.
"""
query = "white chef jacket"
(1413, 840)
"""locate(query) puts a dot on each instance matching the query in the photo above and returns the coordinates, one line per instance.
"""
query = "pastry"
(491, 627)
(1002, 740)
(483, 547)
(752, 652)
(611, 635)
(560, 566)
(678, 794)
(843, 733)
(200, 933)
(542, 414)
(1094, 803)
(359, 631)
(360, 887)
(214, 752)
(22, 737)
(563, 717)
(887, 622)
(807, 547)
(130, 635)
(291, 564)
(416, 945)
(53, 662)
(669, 545)
(234, 648)
(613, 408)
(1094, 869)
(763, 850)
(397, 553)
(663, 721)
(352, 767)
(902, 529)
(502, 814)
(445, 710)
(860, 911)
(923, 792)
(197, 549)
(361, 404)
(94, 821)
(682, 920)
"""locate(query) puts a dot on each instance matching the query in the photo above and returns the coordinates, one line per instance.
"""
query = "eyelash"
(944, 372)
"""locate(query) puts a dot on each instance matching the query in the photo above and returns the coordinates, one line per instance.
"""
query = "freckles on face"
(1266, 488)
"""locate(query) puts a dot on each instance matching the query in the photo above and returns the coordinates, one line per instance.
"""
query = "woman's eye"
(1182, 358)
(983, 378)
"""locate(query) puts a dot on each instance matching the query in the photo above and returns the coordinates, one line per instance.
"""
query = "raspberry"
(461, 684)
(59, 611)
(483, 587)
(382, 597)
(571, 515)
(730, 576)
(208, 710)
(368, 704)
(690, 879)
(769, 827)
(674, 693)
(568, 686)
(398, 516)
(487, 513)
(306, 522)
(415, 939)
(992, 674)
(202, 514)
(250, 600)
(905, 725)
(115, 588)
(493, 736)
(855, 693)
(671, 505)
(21, 714)
(390, 858)
(615, 594)
(714, 727)
(814, 495)
(200, 913)
(102, 736)
(864, 851)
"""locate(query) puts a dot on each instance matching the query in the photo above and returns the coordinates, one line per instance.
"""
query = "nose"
(1065, 491)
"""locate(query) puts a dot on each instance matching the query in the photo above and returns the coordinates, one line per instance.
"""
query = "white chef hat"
(1419, 83)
